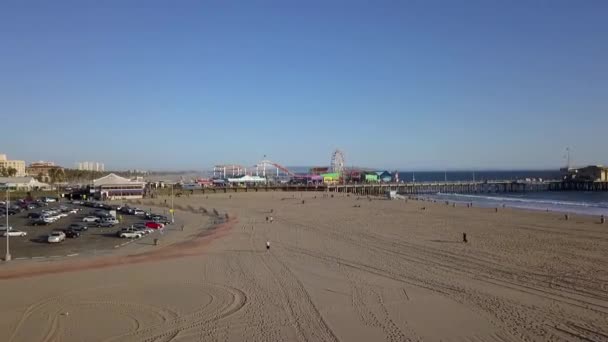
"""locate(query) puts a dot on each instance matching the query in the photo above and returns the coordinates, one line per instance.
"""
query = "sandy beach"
(339, 269)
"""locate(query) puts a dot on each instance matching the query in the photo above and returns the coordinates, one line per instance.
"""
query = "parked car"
(33, 215)
(101, 214)
(79, 227)
(12, 233)
(71, 234)
(51, 218)
(90, 219)
(110, 219)
(49, 199)
(162, 220)
(56, 237)
(131, 235)
(105, 224)
(3, 228)
(154, 225)
(41, 221)
(138, 212)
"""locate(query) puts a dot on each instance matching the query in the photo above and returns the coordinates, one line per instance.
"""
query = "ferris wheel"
(337, 161)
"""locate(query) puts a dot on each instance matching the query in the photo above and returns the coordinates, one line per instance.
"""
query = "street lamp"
(172, 210)
(7, 257)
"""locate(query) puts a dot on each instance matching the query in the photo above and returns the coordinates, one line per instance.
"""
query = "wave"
(603, 205)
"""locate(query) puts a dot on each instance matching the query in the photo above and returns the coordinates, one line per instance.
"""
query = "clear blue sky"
(395, 84)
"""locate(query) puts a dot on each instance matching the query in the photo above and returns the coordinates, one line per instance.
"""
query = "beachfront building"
(307, 179)
(18, 165)
(23, 183)
(247, 180)
(331, 178)
(592, 173)
(370, 177)
(384, 176)
(113, 186)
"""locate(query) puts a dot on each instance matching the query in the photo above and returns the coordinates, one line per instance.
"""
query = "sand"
(384, 271)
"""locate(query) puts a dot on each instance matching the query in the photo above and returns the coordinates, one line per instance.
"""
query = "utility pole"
(7, 257)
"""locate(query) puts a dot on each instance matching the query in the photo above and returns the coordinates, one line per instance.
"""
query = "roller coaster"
(264, 168)
(270, 169)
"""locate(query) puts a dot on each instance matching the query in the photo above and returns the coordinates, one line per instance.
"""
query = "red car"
(154, 225)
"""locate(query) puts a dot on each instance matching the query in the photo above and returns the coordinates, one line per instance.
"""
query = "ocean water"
(575, 202)
(451, 176)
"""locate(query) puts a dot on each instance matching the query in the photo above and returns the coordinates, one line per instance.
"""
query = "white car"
(60, 215)
(56, 237)
(90, 219)
(14, 233)
(131, 235)
(138, 212)
(49, 218)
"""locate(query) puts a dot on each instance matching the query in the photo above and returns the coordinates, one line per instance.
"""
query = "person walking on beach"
(267, 245)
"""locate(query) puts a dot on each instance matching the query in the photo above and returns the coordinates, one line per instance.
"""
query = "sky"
(413, 85)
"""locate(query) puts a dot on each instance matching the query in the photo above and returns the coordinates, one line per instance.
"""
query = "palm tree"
(52, 175)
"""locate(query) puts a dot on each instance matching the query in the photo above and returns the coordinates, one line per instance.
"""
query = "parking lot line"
(71, 255)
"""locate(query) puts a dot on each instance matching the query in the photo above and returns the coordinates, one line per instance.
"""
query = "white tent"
(25, 183)
(247, 179)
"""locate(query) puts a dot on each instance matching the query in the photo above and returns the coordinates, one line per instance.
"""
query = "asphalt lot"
(35, 244)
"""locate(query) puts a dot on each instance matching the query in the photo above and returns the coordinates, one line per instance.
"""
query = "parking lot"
(93, 240)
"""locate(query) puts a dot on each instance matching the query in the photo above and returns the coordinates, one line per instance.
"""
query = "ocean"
(575, 202)
(451, 176)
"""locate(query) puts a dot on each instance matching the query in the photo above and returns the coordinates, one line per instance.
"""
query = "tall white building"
(90, 166)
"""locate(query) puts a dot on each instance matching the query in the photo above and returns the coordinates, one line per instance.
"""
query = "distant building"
(90, 166)
(370, 177)
(115, 187)
(331, 177)
(18, 165)
(384, 176)
(42, 169)
(592, 173)
(22, 183)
